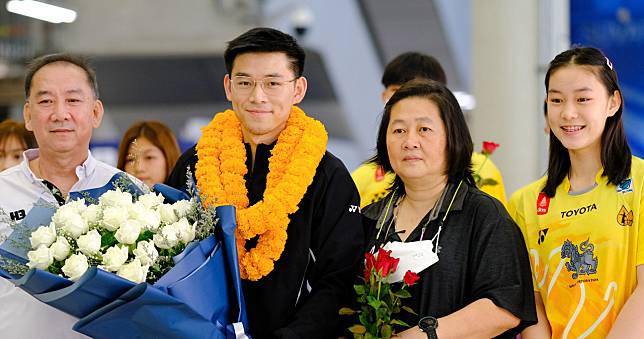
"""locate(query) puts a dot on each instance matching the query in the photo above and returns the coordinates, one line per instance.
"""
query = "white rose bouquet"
(133, 237)
(139, 265)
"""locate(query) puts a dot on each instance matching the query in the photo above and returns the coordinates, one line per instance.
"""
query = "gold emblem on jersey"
(625, 217)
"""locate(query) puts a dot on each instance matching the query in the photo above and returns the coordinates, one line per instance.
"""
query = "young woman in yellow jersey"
(581, 221)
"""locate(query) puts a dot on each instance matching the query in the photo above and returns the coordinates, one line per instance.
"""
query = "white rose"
(168, 215)
(146, 252)
(128, 232)
(116, 198)
(70, 222)
(151, 200)
(114, 217)
(149, 218)
(114, 257)
(185, 231)
(60, 249)
(89, 243)
(40, 258)
(168, 238)
(77, 206)
(182, 207)
(75, 266)
(92, 214)
(44, 235)
(133, 271)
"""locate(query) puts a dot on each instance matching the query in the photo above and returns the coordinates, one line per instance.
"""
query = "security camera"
(302, 19)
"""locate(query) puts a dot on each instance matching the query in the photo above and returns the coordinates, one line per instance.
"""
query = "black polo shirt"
(482, 255)
(313, 277)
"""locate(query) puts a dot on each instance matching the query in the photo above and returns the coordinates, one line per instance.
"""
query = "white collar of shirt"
(83, 171)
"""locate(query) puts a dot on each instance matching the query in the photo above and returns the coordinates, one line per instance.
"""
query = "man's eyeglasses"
(270, 86)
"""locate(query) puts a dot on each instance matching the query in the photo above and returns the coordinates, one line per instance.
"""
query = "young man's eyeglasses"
(270, 86)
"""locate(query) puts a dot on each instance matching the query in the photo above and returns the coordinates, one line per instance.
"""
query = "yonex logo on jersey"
(578, 211)
(543, 203)
(354, 208)
(542, 236)
(625, 217)
(625, 186)
(17, 215)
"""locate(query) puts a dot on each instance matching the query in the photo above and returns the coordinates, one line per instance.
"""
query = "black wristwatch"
(429, 325)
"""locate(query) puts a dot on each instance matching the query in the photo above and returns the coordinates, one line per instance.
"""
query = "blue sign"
(617, 28)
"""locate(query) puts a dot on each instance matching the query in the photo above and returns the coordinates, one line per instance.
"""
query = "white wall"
(505, 80)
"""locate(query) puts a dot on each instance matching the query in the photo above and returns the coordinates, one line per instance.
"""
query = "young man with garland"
(300, 237)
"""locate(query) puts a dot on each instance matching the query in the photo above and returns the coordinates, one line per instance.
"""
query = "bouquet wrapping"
(198, 297)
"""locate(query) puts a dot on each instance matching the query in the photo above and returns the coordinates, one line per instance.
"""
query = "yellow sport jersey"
(584, 249)
(373, 184)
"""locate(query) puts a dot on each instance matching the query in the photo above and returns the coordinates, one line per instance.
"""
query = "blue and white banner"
(617, 28)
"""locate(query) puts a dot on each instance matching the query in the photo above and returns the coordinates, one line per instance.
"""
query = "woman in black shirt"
(481, 285)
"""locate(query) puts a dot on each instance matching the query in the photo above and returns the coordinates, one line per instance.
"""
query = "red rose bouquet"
(378, 300)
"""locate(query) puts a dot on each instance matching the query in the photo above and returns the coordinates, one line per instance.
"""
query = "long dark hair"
(615, 152)
(459, 142)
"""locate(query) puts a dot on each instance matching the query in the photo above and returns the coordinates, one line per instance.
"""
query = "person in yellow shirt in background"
(581, 222)
(372, 181)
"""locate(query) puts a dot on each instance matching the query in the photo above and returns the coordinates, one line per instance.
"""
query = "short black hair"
(42, 61)
(266, 40)
(412, 65)
(615, 152)
(459, 142)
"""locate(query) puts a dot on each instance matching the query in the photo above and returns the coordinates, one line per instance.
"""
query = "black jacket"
(481, 255)
(313, 277)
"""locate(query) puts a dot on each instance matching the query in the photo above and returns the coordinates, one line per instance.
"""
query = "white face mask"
(414, 256)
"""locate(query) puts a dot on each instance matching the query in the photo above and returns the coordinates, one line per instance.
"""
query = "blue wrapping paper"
(200, 297)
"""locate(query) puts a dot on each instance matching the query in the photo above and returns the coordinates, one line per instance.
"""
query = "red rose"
(370, 261)
(385, 263)
(489, 147)
(411, 278)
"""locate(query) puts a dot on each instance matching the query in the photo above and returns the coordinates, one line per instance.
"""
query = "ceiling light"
(42, 11)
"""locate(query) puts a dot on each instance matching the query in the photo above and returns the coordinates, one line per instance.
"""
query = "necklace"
(220, 174)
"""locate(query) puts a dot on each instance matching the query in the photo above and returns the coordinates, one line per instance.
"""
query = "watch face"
(426, 323)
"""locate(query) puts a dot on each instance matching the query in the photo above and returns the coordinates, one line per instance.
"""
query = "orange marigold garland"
(220, 174)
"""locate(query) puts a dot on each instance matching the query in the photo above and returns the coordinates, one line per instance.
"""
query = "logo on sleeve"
(625, 217)
(625, 186)
(543, 203)
(354, 209)
(17, 215)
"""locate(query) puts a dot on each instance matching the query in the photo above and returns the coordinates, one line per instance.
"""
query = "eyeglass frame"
(262, 83)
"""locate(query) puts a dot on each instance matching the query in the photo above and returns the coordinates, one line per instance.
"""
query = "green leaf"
(403, 294)
(385, 331)
(399, 322)
(408, 309)
(346, 311)
(373, 302)
(360, 289)
(359, 329)
(145, 235)
(108, 240)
